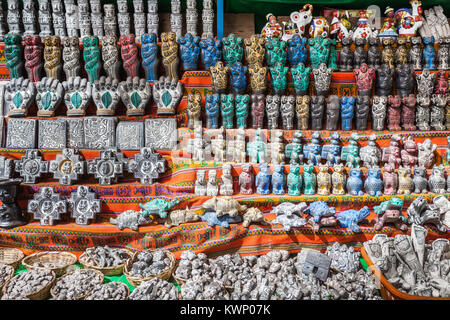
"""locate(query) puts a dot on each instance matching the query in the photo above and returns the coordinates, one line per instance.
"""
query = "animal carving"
(224, 206)
(177, 217)
(405, 183)
(129, 219)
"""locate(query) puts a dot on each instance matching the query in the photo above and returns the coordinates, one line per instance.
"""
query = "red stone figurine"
(441, 84)
(390, 180)
(391, 154)
(394, 114)
(130, 54)
(364, 79)
(409, 152)
(246, 180)
(258, 111)
(408, 112)
(33, 57)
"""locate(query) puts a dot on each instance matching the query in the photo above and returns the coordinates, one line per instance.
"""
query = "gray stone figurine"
(176, 18)
(404, 79)
(123, 18)
(437, 117)
(332, 113)
(322, 79)
(208, 19)
(415, 53)
(85, 18)
(423, 112)
(153, 18)
(373, 53)
(71, 57)
(59, 18)
(317, 110)
(360, 54)
(97, 18)
(140, 24)
(191, 17)
(45, 19)
(272, 111)
(425, 82)
(110, 56)
(29, 18)
(72, 22)
(109, 20)
(384, 79)
(287, 109)
(13, 18)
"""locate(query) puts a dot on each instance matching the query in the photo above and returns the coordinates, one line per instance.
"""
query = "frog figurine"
(373, 184)
(429, 53)
(350, 153)
(189, 51)
(390, 211)
(321, 215)
(347, 112)
(227, 110)
(309, 179)
(319, 51)
(354, 182)
(263, 179)
(238, 78)
(300, 78)
(232, 49)
(14, 55)
(242, 105)
(212, 111)
(294, 180)
(296, 50)
(332, 152)
(275, 52)
(338, 179)
(211, 52)
(323, 180)
(278, 78)
(278, 180)
(312, 152)
(294, 150)
(257, 149)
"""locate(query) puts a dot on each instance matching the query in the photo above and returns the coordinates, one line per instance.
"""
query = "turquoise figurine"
(92, 57)
(319, 51)
(309, 179)
(263, 179)
(238, 78)
(296, 50)
(429, 53)
(333, 58)
(232, 49)
(242, 105)
(211, 52)
(14, 55)
(158, 207)
(212, 110)
(278, 180)
(149, 53)
(227, 110)
(294, 150)
(189, 51)
(278, 79)
(350, 153)
(257, 149)
(294, 180)
(275, 52)
(300, 78)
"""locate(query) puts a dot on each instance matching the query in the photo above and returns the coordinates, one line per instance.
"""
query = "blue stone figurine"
(238, 78)
(211, 52)
(189, 51)
(332, 152)
(263, 179)
(347, 112)
(354, 181)
(149, 53)
(212, 107)
(278, 179)
(429, 53)
(373, 183)
(312, 152)
(349, 219)
(296, 50)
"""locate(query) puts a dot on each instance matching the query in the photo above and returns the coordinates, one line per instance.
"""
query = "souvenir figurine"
(309, 178)
(227, 110)
(354, 182)
(332, 152)
(360, 54)
(91, 56)
(436, 181)
(135, 94)
(423, 112)
(212, 111)
(405, 182)
(347, 112)
(294, 150)
(319, 27)
(401, 53)
(350, 153)
(322, 79)
(33, 57)
(29, 18)
(296, 50)
(130, 55)
(278, 180)
(363, 29)
(19, 95)
(409, 21)
(176, 19)
(333, 59)
(238, 78)
(287, 112)
(85, 18)
(241, 106)
(373, 184)
(390, 211)
(276, 147)
(13, 18)
(139, 19)
(78, 92)
(441, 83)
(169, 52)
(208, 19)
(14, 55)
(391, 154)
(443, 54)
(275, 52)
(394, 113)
(254, 51)
(272, 29)
(153, 17)
(409, 152)
(371, 154)
(319, 51)
(390, 179)
(232, 49)
(387, 54)
(258, 79)
(384, 80)
(189, 51)
(302, 111)
(338, 179)
(226, 187)
(302, 18)
(273, 111)
(263, 179)
(379, 112)
(246, 180)
(313, 151)
(317, 111)
(408, 106)
(294, 180)
(429, 53)
(415, 53)
(321, 215)
(237, 147)
(200, 183)
(346, 56)
(48, 97)
(437, 112)
(45, 19)
(123, 18)
(323, 180)
(198, 147)
(97, 18)
(426, 153)
(191, 17)
(211, 52)
(167, 94)
(110, 56)
(258, 110)
(257, 148)
(212, 189)
(72, 21)
(194, 110)
(300, 78)
(420, 180)
(71, 57)
(425, 82)
(364, 79)
(106, 95)
(373, 53)
(339, 28)
(349, 219)
(219, 77)
(278, 78)
(332, 113)
(109, 20)
(404, 79)
(52, 57)
(388, 28)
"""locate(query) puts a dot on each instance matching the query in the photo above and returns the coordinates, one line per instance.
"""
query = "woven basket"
(65, 258)
(388, 291)
(11, 274)
(102, 277)
(135, 281)
(41, 294)
(88, 263)
(122, 284)
(11, 256)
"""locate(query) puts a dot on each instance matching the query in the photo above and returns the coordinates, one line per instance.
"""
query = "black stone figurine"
(374, 53)
(346, 56)
(10, 213)
(317, 110)
(404, 79)
(384, 80)
(360, 55)
(332, 113)
(362, 112)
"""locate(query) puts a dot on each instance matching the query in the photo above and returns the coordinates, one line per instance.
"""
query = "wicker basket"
(120, 283)
(102, 277)
(88, 263)
(41, 294)
(388, 291)
(11, 256)
(66, 258)
(135, 281)
(11, 274)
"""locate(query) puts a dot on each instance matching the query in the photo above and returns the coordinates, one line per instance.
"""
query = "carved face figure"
(109, 10)
(43, 5)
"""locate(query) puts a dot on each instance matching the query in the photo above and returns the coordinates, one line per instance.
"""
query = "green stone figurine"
(92, 58)
(257, 149)
(333, 59)
(350, 153)
(300, 78)
(310, 179)
(294, 150)
(319, 50)
(294, 181)
(276, 52)
(278, 79)
(14, 55)
(242, 102)
(227, 109)
(233, 49)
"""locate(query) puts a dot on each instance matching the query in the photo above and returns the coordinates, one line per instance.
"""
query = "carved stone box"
(161, 133)
(99, 132)
(75, 133)
(130, 135)
(21, 133)
(52, 134)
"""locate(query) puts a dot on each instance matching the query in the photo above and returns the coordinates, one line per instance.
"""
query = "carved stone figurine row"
(68, 167)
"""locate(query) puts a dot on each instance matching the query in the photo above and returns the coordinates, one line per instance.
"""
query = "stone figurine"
(258, 79)
(191, 17)
(294, 181)
(294, 150)
(77, 94)
(371, 154)
(189, 51)
(373, 53)
(347, 112)
(140, 23)
(72, 21)
(47, 206)
(338, 180)
(302, 111)
(420, 180)
(19, 95)
(278, 78)
(258, 111)
(276, 147)
(106, 95)
(350, 153)
(110, 57)
(45, 19)
(257, 149)
(29, 18)
(362, 112)
(176, 19)
(153, 17)
(33, 57)
(296, 50)
(211, 52)
(408, 110)
(333, 59)
(207, 19)
(332, 117)
(149, 54)
(309, 179)
(273, 111)
(436, 181)
(96, 18)
(317, 112)
(437, 112)
(49, 95)
(387, 54)
(287, 112)
(322, 79)
(441, 84)
(443, 54)
(85, 18)
(429, 53)
(394, 113)
(246, 180)
(219, 146)
(275, 52)
(360, 54)
(300, 78)
(14, 55)
(197, 146)
(130, 55)
(392, 153)
(373, 184)
(91, 56)
(71, 57)
(384, 80)
(319, 51)
(219, 77)
(135, 94)
(415, 53)
(426, 153)
(323, 180)
(390, 179)
(423, 112)
(67, 167)
(321, 215)
(241, 107)
(379, 106)
(332, 152)
(194, 110)
(346, 56)
(354, 182)
(263, 179)
(401, 53)
(13, 18)
(365, 77)
(52, 57)
(212, 111)
(123, 17)
(409, 152)
(425, 82)
(405, 182)
(227, 110)
(404, 79)
(169, 52)
(349, 219)
(238, 150)
(226, 187)
(238, 78)
(167, 93)
(313, 151)
(109, 20)
(233, 50)
(390, 211)
(278, 180)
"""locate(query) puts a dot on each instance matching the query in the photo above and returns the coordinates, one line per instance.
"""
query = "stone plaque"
(47, 206)
(75, 133)
(161, 134)
(130, 135)
(83, 205)
(52, 134)
(21, 133)
(99, 132)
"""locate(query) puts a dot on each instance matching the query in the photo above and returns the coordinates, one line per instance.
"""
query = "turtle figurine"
(390, 211)
(320, 215)
(130, 219)
(349, 219)
(212, 219)
(158, 207)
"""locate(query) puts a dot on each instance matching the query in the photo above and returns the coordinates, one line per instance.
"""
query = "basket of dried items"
(58, 262)
(33, 284)
(76, 285)
(11, 256)
(109, 291)
(6, 273)
(146, 265)
(203, 288)
(109, 261)
(155, 289)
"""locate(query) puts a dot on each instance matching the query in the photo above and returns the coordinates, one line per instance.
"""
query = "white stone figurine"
(123, 17)
(45, 19)
(208, 19)
(200, 183)
(198, 145)
(140, 24)
(276, 147)
(226, 187)
(29, 18)
(59, 18)
(219, 145)
(109, 20)
(85, 18)
(13, 18)
(97, 18)
(152, 17)
(191, 17)
(176, 18)
(72, 22)
(426, 153)
(212, 188)
(237, 148)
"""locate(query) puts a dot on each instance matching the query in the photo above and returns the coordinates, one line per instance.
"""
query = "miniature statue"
(237, 147)
(405, 182)
(371, 154)
(275, 52)
(238, 78)
(85, 18)
(425, 82)
(191, 17)
(273, 111)
(45, 19)
(257, 111)
(390, 179)
(362, 112)
(364, 79)
(241, 106)
(317, 111)
(167, 94)
(421, 213)
(437, 111)
(72, 21)
(332, 113)
(441, 83)
(176, 18)
(219, 77)
(169, 52)
(420, 180)
(354, 182)
(387, 54)
(391, 154)
(296, 50)
(212, 189)
(52, 57)
(226, 187)
(322, 79)
(197, 146)
(379, 112)
(224, 221)
(321, 215)
(91, 56)
(388, 28)
(415, 53)
(194, 110)
(338, 179)
(350, 218)
(350, 153)
(409, 152)
(135, 94)
(272, 28)
(276, 147)
(443, 54)
(436, 181)
(319, 51)
(130, 55)
(14, 55)
(177, 217)
(429, 53)
(257, 148)
(110, 56)
(384, 80)
(360, 54)
(313, 151)
(294, 150)
(339, 28)
(401, 53)
(347, 112)
(346, 56)
(246, 180)
(109, 20)
(394, 113)
(153, 17)
(211, 52)
(212, 111)
(332, 152)
(218, 146)
(106, 95)
(232, 49)
(426, 153)
(258, 79)
(323, 180)
(207, 19)
(278, 78)
(333, 59)
(13, 18)
(139, 19)
(423, 112)
(373, 53)
(287, 112)
(404, 81)
(189, 51)
(33, 57)
(408, 106)
(71, 57)
(300, 78)
(309, 178)
(390, 211)
(227, 110)
(294, 180)
(28, 18)
(263, 179)
(97, 18)
(123, 18)
(19, 95)
(48, 97)
(158, 207)
(78, 92)
(278, 180)
(302, 111)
